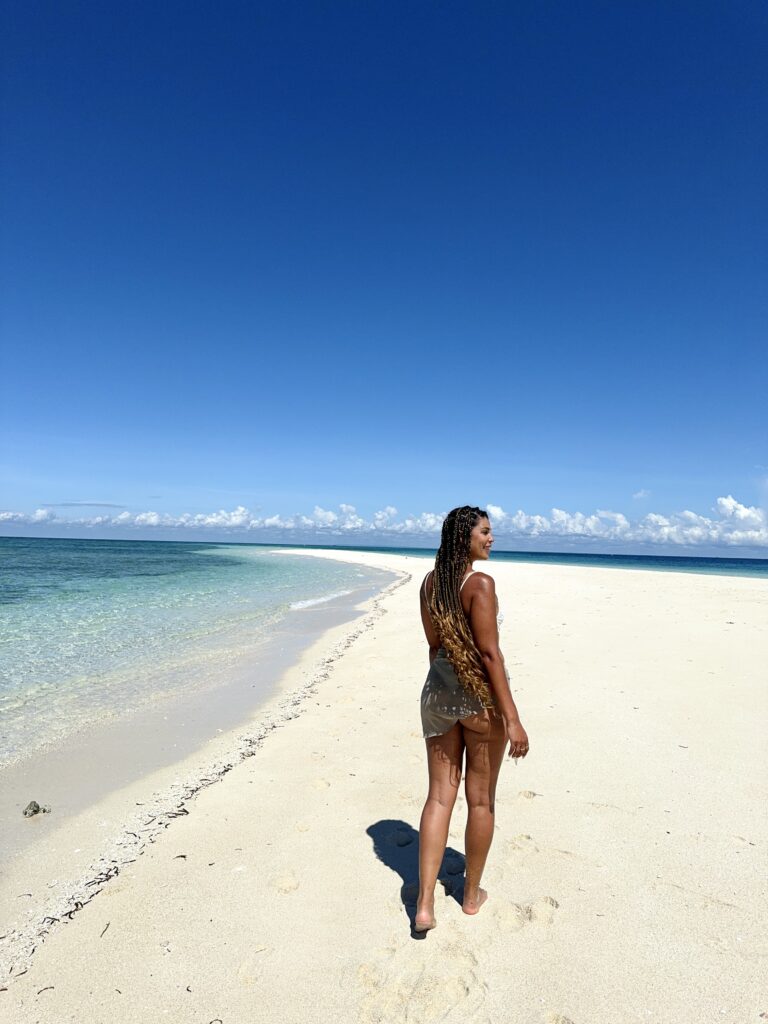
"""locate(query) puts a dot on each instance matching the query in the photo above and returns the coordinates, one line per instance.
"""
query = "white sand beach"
(627, 878)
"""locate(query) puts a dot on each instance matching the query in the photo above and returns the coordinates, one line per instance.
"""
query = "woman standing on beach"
(466, 704)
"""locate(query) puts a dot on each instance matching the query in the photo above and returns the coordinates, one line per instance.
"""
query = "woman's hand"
(518, 740)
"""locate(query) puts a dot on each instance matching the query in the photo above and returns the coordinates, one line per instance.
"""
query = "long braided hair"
(444, 602)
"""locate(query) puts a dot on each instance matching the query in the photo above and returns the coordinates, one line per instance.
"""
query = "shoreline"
(166, 786)
(95, 635)
(623, 849)
(73, 771)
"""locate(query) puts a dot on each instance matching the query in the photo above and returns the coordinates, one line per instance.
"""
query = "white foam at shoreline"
(296, 605)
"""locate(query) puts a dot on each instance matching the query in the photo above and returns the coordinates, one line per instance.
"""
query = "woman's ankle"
(472, 902)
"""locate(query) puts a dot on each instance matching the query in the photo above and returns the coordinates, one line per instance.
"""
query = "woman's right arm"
(482, 621)
(429, 630)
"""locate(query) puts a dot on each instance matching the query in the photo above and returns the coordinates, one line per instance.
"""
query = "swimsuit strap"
(424, 581)
(470, 573)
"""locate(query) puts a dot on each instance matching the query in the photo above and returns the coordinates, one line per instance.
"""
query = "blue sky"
(288, 257)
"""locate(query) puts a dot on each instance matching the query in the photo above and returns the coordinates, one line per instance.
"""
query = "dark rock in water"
(33, 808)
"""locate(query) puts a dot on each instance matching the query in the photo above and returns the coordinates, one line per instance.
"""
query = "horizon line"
(389, 548)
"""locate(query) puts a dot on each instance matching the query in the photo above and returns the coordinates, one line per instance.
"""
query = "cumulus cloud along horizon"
(732, 524)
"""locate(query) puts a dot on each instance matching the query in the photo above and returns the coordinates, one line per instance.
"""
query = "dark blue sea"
(658, 563)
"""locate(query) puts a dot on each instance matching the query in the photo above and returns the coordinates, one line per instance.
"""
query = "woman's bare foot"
(425, 915)
(471, 905)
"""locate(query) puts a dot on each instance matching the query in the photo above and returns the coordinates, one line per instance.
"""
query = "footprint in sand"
(286, 883)
(320, 784)
(518, 851)
(511, 917)
(558, 1018)
(400, 987)
(249, 971)
(541, 909)
(523, 842)
(302, 826)
(528, 794)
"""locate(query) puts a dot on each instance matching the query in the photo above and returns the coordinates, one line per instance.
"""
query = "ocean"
(756, 567)
(92, 628)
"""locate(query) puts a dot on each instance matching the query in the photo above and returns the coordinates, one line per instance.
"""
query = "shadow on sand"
(396, 844)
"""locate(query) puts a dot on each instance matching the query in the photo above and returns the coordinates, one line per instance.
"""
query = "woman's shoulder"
(481, 581)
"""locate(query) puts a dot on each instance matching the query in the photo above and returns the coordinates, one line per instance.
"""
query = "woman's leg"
(444, 756)
(486, 741)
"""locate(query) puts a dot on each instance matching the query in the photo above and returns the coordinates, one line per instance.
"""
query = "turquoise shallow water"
(90, 628)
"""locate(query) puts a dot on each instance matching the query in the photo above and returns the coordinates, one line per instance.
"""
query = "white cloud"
(351, 520)
(642, 493)
(324, 516)
(149, 519)
(40, 515)
(733, 524)
(236, 519)
(729, 508)
(425, 523)
(281, 524)
(384, 517)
